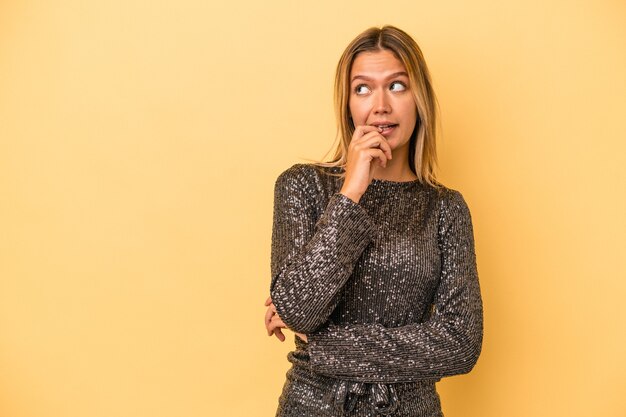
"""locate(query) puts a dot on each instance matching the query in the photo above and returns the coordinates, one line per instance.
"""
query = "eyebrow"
(364, 77)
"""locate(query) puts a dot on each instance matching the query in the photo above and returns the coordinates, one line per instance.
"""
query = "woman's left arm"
(448, 343)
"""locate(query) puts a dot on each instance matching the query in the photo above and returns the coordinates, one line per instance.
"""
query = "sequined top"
(385, 289)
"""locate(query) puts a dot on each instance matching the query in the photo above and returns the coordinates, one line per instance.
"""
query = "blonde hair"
(422, 145)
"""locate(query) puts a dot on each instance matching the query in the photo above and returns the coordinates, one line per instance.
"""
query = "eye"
(397, 86)
(361, 89)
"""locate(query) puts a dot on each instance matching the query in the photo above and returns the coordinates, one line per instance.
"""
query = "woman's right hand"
(367, 147)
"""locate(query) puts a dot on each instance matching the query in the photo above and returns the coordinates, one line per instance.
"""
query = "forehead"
(376, 64)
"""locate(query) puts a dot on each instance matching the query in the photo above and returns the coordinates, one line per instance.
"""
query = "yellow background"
(139, 145)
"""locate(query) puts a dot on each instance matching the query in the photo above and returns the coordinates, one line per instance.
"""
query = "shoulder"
(306, 174)
(298, 175)
(302, 179)
(450, 197)
(297, 172)
(452, 206)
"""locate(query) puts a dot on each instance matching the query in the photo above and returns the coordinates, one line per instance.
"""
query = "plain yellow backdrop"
(139, 145)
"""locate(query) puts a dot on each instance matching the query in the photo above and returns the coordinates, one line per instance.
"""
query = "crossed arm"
(274, 324)
(309, 269)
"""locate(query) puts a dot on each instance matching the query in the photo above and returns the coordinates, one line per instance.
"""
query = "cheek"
(411, 113)
(358, 112)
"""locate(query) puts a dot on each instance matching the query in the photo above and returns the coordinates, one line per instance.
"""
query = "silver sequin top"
(386, 289)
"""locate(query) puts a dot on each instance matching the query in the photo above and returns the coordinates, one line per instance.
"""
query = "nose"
(381, 103)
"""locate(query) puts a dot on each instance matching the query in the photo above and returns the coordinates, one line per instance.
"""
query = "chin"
(396, 145)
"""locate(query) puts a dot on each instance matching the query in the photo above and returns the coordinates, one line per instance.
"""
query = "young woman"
(373, 263)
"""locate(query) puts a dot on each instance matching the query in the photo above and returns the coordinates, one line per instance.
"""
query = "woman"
(373, 263)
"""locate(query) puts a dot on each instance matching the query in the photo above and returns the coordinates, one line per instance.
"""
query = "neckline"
(381, 182)
(394, 183)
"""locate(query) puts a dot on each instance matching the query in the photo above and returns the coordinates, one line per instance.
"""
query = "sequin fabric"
(386, 291)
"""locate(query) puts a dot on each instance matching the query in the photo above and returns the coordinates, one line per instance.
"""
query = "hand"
(273, 322)
(366, 145)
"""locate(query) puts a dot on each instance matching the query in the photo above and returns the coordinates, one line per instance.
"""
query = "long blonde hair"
(422, 145)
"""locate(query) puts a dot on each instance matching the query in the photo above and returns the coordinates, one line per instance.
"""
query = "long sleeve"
(312, 258)
(447, 343)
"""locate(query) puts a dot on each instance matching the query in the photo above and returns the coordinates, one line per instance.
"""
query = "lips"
(384, 124)
(385, 128)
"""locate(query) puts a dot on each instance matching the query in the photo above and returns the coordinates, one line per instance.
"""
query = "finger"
(377, 139)
(269, 314)
(279, 334)
(368, 136)
(277, 328)
(384, 145)
(268, 301)
(376, 153)
(268, 317)
(361, 130)
(276, 319)
(276, 323)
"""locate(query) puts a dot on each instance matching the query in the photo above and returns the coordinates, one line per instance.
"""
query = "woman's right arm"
(312, 258)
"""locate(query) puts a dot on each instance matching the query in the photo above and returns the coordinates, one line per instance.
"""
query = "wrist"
(356, 197)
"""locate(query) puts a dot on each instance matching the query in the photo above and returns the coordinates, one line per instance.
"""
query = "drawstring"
(346, 394)
(384, 399)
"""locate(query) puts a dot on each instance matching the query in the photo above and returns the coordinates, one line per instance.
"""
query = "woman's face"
(380, 96)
